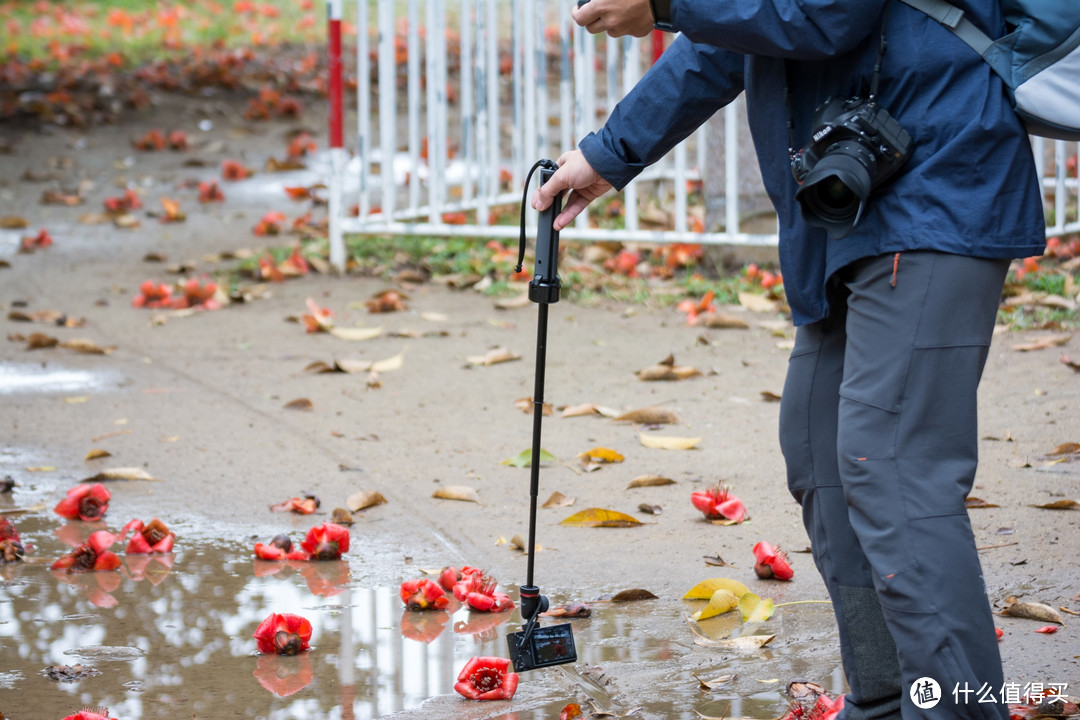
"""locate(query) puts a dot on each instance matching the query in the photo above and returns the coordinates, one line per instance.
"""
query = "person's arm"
(680, 92)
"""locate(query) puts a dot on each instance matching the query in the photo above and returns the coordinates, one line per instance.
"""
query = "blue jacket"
(969, 187)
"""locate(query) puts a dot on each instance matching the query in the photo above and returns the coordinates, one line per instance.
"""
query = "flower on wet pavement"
(300, 505)
(423, 594)
(11, 547)
(477, 589)
(88, 502)
(153, 537)
(88, 713)
(771, 562)
(283, 634)
(94, 554)
(326, 542)
(487, 678)
(719, 504)
(280, 548)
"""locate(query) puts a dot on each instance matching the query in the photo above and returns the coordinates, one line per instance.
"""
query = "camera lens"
(834, 192)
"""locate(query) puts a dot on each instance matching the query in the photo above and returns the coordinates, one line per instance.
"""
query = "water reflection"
(172, 637)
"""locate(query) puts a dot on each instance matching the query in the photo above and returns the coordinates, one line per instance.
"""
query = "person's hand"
(615, 17)
(574, 174)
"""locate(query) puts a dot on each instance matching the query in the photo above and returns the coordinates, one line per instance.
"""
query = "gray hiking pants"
(878, 430)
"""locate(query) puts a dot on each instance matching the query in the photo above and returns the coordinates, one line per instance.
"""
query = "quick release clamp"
(534, 646)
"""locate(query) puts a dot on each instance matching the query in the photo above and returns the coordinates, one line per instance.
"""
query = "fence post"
(337, 144)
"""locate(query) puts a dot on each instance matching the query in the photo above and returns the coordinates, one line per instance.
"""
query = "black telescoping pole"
(543, 290)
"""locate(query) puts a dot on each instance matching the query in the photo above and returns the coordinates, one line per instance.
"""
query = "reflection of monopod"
(534, 646)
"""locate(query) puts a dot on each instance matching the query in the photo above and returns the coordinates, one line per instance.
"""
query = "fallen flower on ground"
(30, 243)
(301, 505)
(153, 295)
(283, 634)
(119, 205)
(423, 594)
(280, 548)
(487, 678)
(87, 502)
(477, 590)
(771, 562)
(11, 547)
(92, 555)
(210, 192)
(326, 542)
(153, 537)
(198, 295)
(717, 502)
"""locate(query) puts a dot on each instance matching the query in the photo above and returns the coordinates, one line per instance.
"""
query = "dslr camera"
(855, 147)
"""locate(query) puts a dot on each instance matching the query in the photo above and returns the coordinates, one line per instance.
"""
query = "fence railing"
(457, 98)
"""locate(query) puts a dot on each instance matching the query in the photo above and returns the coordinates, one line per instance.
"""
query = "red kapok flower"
(91, 714)
(283, 634)
(771, 562)
(94, 554)
(326, 542)
(487, 678)
(423, 594)
(717, 502)
(477, 589)
(11, 547)
(280, 548)
(87, 502)
(153, 537)
(449, 577)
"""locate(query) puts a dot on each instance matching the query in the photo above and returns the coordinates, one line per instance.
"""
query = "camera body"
(544, 647)
(855, 146)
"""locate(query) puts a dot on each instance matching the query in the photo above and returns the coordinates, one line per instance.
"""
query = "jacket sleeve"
(797, 29)
(681, 91)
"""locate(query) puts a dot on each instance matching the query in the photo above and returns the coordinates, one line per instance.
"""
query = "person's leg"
(918, 334)
(808, 422)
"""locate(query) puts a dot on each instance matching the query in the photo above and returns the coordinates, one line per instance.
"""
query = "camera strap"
(875, 79)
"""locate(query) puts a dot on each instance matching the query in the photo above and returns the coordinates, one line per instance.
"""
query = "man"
(894, 313)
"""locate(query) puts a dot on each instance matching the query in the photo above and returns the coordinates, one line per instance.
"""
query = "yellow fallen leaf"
(97, 453)
(42, 468)
(123, 473)
(457, 492)
(599, 517)
(754, 609)
(722, 601)
(668, 443)
(87, 347)
(76, 400)
(602, 454)
(705, 589)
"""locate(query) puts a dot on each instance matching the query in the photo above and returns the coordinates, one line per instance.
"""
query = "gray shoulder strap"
(953, 18)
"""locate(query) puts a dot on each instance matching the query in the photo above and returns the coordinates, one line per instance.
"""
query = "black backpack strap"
(953, 18)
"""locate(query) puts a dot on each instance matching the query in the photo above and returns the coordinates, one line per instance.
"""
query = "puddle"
(37, 378)
(171, 637)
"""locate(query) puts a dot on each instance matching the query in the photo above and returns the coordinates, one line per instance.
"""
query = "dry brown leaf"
(1068, 448)
(713, 684)
(39, 341)
(633, 595)
(1033, 611)
(1058, 505)
(299, 404)
(1047, 342)
(87, 347)
(649, 481)
(457, 492)
(742, 643)
(518, 543)
(974, 502)
(13, 222)
(363, 499)
(494, 356)
(720, 321)
(341, 516)
(769, 396)
(650, 509)
(123, 473)
(667, 370)
(668, 443)
(558, 500)
(97, 454)
(599, 517)
(526, 405)
(650, 416)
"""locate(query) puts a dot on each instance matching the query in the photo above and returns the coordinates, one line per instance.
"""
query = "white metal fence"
(457, 98)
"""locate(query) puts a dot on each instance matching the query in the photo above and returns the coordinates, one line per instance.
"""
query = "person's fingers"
(546, 193)
(585, 14)
(574, 205)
